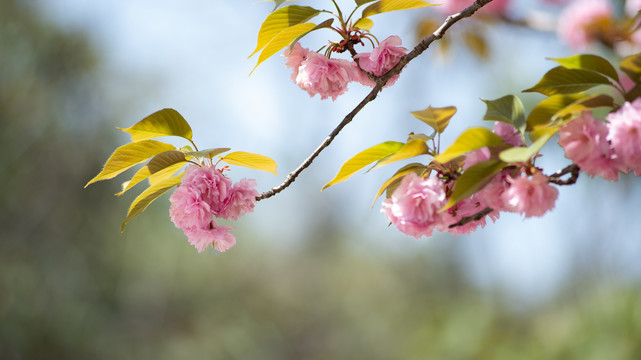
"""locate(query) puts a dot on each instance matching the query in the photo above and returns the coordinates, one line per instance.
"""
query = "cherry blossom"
(531, 196)
(318, 74)
(625, 134)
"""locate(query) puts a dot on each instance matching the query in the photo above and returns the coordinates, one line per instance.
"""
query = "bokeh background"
(314, 275)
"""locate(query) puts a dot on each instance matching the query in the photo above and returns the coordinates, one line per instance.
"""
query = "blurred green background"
(73, 287)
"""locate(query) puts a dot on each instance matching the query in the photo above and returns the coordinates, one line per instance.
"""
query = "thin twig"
(572, 169)
(468, 219)
(380, 82)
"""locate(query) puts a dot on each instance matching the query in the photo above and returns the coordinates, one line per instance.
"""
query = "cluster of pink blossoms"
(605, 149)
(415, 206)
(205, 193)
(318, 74)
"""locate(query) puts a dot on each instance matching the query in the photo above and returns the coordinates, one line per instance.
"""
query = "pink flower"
(584, 21)
(295, 58)
(492, 194)
(625, 134)
(214, 187)
(243, 200)
(465, 208)
(508, 133)
(414, 205)
(327, 77)
(381, 60)
(530, 196)
(632, 7)
(476, 156)
(219, 236)
(188, 209)
(496, 7)
(584, 141)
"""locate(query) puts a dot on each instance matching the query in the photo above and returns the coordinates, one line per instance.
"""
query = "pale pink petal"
(530, 196)
(188, 209)
(327, 77)
(625, 134)
(217, 236)
(508, 133)
(580, 23)
(242, 201)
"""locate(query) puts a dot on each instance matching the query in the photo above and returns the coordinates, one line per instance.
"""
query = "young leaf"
(278, 3)
(436, 118)
(413, 167)
(543, 112)
(325, 24)
(282, 39)
(362, 2)
(252, 161)
(363, 24)
(476, 43)
(166, 122)
(508, 109)
(589, 62)
(561, 80)
(546, 132)
(631, 65)
(156, 165)
(129, 155)
(410, 149)
(148, 196)
(382, 6)
(474, 179)
(586, 103)
(524, 154)
(208, 153)
(471, 139)
(144, 173)
(280, 20)
(364, 158)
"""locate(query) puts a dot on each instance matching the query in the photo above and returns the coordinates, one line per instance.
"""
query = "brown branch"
(380, 82)
(572, 169)
(474, 217)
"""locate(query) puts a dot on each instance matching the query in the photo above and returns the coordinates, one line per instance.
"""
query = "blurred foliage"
(72, 288)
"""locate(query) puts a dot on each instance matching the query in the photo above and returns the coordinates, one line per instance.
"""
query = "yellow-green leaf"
(364, 158)
(364, 24)
(325, 24)
(281, 19)
(631, 65)
(362, 2)
(561, 80)
(252, 161)
(524, 154)
(412, 148)
(508, 109)
(543, 112)
(474, 179)
(436, 118)
(282, 39)
(382, 6)
(143, 200)
(586, 103)
(208, 153)
(166, 122)
(129, 155)
(413, 167)
(544, 132)
(471, 139)
(589, 62)
(476, 43)
(144, 173)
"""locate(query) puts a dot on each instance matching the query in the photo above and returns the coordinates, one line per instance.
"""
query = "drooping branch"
(571, 169)
(474, 217)
(380, 82)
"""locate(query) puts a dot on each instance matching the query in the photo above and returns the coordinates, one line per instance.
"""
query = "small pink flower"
(625, 134)
(327, 77)
(242, 201)
(414, 205)
(492, 194)
(465, 208)
(508, 133)
(295, 58)
(582, 21)
(214, 187)
(188, 209)
(381, 60)
(584, 141)
(496, 7)
(530, 196)
(218, 236)
(476, 156)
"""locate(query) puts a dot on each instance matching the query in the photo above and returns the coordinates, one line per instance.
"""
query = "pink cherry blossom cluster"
(205, 193)
(416, 206)
(318, 74)
(605, 149)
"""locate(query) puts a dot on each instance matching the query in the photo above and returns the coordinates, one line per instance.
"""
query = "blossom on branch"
(530, 196)
(625, 135)
(321, 75)
(586, 21)
(381, 60)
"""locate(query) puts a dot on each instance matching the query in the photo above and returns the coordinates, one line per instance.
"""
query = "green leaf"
(129, 155)
(471, 139)
(547, 132)
(508, 109)
(364, 158)
(278, 3)
(413, 167)
(282, 39)
(382, 6)
(208, 153)
(362, 2)
(412, 148)
(633, 93)
(144, 173)
(148, 196)
(586, 103)
(157, 164)
(631, 65)
(589, 62)
(166, 122)
(325, 24)
(436, 118)
(281, 19)
(474, 179)
(543, 112)
(524, 154)
(363, 24)
(252, 161)
(561, 80)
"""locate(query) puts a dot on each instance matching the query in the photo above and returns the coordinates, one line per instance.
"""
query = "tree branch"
(380, 82)
(572, 169)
